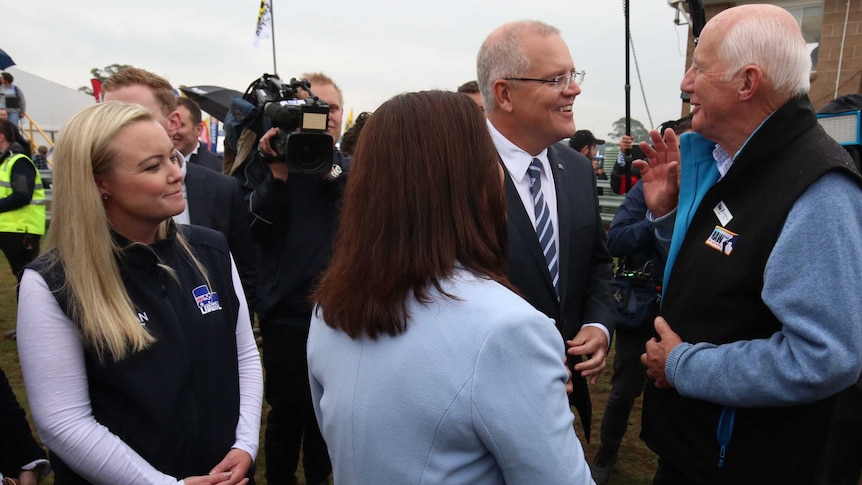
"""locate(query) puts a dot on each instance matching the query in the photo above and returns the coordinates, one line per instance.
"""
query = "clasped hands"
(230, 471)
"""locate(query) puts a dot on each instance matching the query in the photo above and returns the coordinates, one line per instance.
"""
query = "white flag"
(264, 22)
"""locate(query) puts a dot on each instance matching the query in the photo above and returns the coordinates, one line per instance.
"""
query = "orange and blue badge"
(722, 240)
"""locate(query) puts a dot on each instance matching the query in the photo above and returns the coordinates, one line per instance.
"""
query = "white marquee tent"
(49, 104)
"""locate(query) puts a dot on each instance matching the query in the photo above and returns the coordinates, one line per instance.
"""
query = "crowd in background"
(436, 298)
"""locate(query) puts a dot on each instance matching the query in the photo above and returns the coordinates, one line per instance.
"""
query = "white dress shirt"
(183, 217)
(517, 161)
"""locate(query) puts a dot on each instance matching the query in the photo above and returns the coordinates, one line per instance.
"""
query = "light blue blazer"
(472, 393)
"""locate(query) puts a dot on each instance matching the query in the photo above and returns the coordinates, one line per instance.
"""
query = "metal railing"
(46, 175)
(609, 201)
(32, 125)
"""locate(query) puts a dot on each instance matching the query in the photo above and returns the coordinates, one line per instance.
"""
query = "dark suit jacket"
(17, 446)
(206, 158)
(586, 266)
(215, 201)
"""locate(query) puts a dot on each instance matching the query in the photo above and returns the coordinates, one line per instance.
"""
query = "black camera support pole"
(272, 29)
(627, 172)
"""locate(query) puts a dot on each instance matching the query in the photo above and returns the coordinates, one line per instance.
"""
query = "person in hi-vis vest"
(22, 204)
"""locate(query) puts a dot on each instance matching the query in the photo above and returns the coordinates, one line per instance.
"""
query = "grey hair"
(501, 55)
(780, 52)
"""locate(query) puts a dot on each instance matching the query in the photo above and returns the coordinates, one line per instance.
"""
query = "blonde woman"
(134, 336)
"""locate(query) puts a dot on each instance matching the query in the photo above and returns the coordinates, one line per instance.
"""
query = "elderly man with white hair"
(759, 327)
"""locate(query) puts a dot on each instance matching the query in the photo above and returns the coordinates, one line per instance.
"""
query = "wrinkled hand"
(592, 343)
(661, 175)
(237, 463)
(657, 350)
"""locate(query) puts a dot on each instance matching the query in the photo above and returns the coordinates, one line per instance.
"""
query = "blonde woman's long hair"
(79, 239)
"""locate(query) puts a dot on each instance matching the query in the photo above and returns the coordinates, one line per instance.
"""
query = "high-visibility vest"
(29, 219)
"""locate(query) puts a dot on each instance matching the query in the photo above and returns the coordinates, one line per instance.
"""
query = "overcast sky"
(373, 49)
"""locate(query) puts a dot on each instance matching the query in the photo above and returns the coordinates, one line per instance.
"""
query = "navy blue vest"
(716, 298)
(177, 402)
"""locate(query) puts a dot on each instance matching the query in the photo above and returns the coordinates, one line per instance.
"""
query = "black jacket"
(206, 158)
(23, 183)
(17, 446)
(215, 201)
(585, 265)
(718, 300)
(293, 224)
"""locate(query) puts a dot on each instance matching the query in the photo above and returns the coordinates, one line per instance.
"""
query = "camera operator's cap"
(582, 138)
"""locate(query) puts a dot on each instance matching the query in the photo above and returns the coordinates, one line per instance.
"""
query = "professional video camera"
(302, 140)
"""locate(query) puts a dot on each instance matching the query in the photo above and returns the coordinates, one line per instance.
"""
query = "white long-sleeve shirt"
(52, 360)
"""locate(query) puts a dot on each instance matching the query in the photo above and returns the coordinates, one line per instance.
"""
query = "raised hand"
(661, 175)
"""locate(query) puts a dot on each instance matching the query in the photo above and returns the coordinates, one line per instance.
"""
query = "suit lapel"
(564, 219)
(518, 217)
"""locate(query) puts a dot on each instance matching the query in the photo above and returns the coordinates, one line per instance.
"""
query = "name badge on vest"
(206, 300)
(723, 213)
(722, 240)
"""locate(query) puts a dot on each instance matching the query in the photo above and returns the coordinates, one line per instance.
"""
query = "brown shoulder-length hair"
(424, 192)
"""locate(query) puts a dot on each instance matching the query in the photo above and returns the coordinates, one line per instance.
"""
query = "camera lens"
(309, 152)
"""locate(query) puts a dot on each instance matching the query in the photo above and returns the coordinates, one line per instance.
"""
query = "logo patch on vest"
(722, 240)
(206, 300)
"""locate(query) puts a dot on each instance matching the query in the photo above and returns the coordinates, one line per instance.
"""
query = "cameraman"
(293, 221)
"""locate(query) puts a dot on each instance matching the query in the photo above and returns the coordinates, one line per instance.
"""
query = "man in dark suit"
(213, 200)
(216, 201)
(558, 257)
(187, 136)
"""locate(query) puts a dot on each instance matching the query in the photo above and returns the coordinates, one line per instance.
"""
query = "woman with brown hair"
(425, 366)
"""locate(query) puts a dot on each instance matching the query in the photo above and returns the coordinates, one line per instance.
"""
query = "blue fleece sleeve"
(810, 284)
(630, 231)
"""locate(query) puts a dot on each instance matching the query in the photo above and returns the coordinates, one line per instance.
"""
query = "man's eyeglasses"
(561, 82)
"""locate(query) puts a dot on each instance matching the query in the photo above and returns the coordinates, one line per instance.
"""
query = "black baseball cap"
(582, 138)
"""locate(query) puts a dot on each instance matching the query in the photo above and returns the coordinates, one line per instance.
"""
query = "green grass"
(635, 466)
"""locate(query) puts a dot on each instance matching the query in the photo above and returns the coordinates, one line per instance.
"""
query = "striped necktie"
(544, 227)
